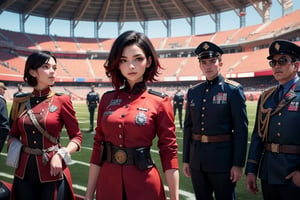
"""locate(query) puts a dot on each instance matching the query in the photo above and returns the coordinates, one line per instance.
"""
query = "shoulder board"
(231, 82)
(18, 105)
(109, 91)
(197, 84)
(60, 93)
(23, 94)
(22, 97)
(162, 95)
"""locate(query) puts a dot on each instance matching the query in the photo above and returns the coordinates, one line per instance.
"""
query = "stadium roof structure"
(121, 11)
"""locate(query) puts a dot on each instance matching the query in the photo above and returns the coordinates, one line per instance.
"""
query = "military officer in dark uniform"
(178, 101)
(92, 100)
(274, 154)
(4, 122)
(215, 130)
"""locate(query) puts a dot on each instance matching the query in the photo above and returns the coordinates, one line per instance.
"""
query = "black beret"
(208, 50)
(284, 47)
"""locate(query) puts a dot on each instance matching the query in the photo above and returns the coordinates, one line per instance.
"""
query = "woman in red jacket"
(37, 121)
(129, 118)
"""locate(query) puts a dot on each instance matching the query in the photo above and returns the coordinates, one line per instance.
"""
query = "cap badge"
(277, 46)
(205, 46)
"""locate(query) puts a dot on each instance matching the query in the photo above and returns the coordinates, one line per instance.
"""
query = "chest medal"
(52, 108)
(141, 118)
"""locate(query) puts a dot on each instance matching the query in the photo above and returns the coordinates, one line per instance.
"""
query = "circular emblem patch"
(120, 157)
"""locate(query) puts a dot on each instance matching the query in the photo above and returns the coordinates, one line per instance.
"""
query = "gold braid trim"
(18, 106)
(263, 124)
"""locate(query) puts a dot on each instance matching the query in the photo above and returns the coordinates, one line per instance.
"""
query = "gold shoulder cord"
(18, 106)
(263, 124)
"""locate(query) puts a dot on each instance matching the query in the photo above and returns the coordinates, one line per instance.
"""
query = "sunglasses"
(281, 61)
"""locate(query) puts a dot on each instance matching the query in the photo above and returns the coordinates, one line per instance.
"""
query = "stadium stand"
(65, 44)
(81, 59)
(43, 42)
(88, 44)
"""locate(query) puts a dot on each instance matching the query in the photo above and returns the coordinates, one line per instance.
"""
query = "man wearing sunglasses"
(274, 154)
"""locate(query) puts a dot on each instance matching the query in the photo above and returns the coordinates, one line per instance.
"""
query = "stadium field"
(80, 166)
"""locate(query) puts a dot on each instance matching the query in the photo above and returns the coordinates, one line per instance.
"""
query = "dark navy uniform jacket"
(215, 107)
(283, 129)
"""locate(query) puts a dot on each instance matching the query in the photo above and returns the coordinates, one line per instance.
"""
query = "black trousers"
(26, 190)
(92, 108)
(210, 185)
(179, 108)
(280, 191)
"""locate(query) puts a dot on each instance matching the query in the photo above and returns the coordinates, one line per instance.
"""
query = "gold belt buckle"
(120, 156)
(204, 139)
(274, 148)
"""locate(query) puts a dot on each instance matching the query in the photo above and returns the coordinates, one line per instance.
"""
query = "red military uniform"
(118, 124)
(52, 111)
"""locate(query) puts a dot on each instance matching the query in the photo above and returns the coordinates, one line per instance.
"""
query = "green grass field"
(80, 167)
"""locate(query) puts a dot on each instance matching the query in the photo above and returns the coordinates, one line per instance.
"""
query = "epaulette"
(162, 95)
(59, 93)
(197, 84)
(18, 105)
(20, 98)
(23, 94)
(109, 91)
(231, 82)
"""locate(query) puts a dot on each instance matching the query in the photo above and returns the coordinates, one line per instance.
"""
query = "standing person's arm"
(70, 121)
(4, 125)
(92, 181)
(168, 146)
(254, 156)
(240, 127)
(96, 156)
(87, 99)
(187, 134)
(172, 177)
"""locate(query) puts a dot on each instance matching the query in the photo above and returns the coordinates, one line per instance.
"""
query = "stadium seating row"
(245, 34)
(248, 63)
(187, 68)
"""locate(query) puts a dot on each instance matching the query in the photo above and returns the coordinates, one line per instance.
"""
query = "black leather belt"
(280, 148)
(122, 156)
(212, 138)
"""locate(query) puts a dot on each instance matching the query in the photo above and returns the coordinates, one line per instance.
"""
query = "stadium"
(80, 59)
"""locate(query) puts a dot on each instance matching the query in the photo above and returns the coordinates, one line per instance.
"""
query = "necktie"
(279, 94)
